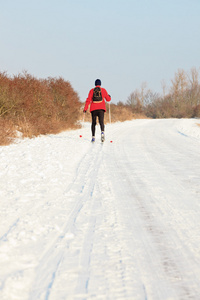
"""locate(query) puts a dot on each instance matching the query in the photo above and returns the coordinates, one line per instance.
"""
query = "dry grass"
(119, 113)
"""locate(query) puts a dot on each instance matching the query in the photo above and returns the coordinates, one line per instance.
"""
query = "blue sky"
(122, 42)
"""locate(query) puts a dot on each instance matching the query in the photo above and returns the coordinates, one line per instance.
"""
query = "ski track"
(112, 221)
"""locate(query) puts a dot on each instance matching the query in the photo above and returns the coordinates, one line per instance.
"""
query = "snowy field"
(114, 221)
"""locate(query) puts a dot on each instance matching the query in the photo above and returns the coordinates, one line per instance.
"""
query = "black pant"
(100, 114)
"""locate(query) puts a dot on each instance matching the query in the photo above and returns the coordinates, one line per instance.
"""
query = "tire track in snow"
(88, 193)
(161, 244)
(83, 186)
(96, 237)
(176, 245)
(4, 236)
(117, 282)
(81, 290)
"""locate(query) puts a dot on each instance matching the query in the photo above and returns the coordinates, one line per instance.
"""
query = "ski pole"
(83, 117)
(82, 124)
(109, 113)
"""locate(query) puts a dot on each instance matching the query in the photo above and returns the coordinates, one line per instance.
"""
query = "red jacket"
(95, 106)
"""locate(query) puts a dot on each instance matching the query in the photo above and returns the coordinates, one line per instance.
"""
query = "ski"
(102, 137)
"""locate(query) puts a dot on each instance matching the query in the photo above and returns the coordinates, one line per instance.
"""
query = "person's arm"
(106, 95)
(88, 100)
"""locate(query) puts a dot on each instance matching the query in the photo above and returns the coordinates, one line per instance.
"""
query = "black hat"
(97, 82)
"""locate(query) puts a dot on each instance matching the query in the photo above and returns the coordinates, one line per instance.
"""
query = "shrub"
(7, 131)
(37, 106)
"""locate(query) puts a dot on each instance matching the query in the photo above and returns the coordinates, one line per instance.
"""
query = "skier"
(96, 99)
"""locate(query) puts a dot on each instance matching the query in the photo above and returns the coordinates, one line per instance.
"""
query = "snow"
(112, 221)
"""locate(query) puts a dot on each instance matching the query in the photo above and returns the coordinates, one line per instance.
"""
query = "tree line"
(182, 100)
(34, 106)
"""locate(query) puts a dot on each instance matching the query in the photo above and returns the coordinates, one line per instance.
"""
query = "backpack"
(97, 96)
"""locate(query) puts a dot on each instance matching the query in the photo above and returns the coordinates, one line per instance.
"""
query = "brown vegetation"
(7, 131)
(118, 113)
(42, 106)
(182, 100)
(36, 106)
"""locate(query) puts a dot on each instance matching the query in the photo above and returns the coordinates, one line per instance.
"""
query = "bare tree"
(194, 91)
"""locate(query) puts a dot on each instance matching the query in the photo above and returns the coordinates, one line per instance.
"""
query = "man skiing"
(96, 99)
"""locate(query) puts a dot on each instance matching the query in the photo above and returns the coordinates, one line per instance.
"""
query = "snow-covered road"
(113, 221)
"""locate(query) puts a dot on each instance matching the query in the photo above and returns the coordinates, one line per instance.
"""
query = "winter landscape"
(118, 220)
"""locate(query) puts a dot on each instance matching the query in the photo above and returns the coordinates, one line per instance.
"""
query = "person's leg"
(101, 122)
(101, 119)
(94, 117)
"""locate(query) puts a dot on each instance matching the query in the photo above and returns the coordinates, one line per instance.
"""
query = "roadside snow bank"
(190, 128)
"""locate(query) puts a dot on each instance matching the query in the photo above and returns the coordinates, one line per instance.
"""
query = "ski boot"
(102, 136)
